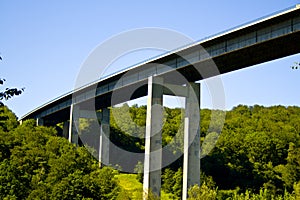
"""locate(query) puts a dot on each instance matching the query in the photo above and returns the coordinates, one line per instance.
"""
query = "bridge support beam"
(65, 132)
(39, 122)
(91, 118)
(104, 137)
(73, 124)
(191, 158)
(153, 138)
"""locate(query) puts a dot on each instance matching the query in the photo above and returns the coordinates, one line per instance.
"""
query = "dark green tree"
(254, 149)
(37, 164)
(296, 65)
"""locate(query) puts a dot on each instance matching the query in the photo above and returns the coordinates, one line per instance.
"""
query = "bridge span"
(271, 37)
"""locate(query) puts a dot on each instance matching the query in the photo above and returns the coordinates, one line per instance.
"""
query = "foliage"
(139, 169)
(8, 92)
(131, 187)
(258, 148)
(8, 119)
(130, 120)
(254, 149)
(202, 192)
(168, 180)
(172, 182)
(296, 65)
(263, 194)
(257, 156)
(37, 164)
(128, 127)
(208, 193)
(297, 190)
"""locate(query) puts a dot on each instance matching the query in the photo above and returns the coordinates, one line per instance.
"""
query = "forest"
(256, 156)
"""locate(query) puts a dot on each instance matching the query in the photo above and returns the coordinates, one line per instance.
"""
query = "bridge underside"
(245, 57)
(227, 62)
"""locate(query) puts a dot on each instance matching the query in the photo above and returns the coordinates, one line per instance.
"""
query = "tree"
(139, 169)
(296, 65)
(202, 192)
(8, 92)
(172, 182)
(8, 119)
(255, 149)
(37, 164)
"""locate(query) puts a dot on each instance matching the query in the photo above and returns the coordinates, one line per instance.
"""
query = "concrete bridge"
(262, 40)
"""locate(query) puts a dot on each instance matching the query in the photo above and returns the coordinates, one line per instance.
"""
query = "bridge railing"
(257, 36)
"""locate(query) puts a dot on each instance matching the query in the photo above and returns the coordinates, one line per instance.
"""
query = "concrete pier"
(191, 158)
(153, 138)
(104, 137)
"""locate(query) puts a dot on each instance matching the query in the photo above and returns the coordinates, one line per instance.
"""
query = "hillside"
(256, 156)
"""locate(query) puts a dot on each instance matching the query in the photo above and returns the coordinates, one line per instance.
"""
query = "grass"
(133, 189)
(131, 186)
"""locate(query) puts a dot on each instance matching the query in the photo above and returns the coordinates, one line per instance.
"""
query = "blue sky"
(44, 43)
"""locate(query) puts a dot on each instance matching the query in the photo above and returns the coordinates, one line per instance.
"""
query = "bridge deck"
(262, 40)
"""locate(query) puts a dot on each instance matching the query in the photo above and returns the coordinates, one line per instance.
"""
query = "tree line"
(257, 156)
(257, 150)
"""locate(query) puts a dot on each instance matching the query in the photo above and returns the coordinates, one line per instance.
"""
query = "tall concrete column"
(89, 136)
(104, 137)
(191, 158)
(39, 122)
(73, 133)
(66, 126)
(153, 137)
